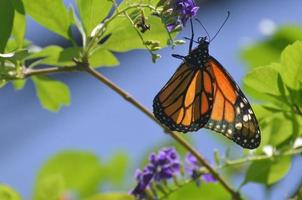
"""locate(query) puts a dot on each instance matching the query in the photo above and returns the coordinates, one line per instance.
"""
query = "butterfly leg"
(178, 56)
(192, 36)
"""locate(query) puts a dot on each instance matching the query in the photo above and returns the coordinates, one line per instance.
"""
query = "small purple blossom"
(162, 166)
(186, 9)
(193, 168)
(178, 12)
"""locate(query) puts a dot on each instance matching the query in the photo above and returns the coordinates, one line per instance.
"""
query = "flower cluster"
(163, 166)
(177, 12)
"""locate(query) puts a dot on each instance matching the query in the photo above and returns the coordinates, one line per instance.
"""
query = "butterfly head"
(203, 42)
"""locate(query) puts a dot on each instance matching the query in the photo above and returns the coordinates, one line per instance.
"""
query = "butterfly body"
(201, 93)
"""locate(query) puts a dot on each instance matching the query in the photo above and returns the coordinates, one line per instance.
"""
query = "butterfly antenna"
(226, 19)
(192, 36)
(204, 28)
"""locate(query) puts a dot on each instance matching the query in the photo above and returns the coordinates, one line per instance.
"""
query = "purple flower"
(193, 168)
(185, 9)
(162, 166)
(178, 12)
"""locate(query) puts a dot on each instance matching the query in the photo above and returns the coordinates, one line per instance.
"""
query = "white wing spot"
(249, 116)
(237, 110)
(241, 105)
(245, 118)
(245, 100)
(238, 125)
(230, 131)
(244, 140)
(250, 111)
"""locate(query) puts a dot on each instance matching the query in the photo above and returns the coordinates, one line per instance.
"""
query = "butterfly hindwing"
(185, 102)
(232, 114)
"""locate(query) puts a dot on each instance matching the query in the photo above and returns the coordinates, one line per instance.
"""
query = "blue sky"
(98, 120)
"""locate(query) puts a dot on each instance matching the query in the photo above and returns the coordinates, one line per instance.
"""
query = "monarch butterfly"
(201, 93)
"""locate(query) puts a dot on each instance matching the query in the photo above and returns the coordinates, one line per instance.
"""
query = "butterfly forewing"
(184, 104)
(232, 114)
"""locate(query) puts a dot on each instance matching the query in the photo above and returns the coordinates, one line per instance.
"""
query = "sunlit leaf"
(50, 187)
(112, 196)
(264, 79)
(92, 12)
(19, 22)
(7, 193)
(102, 57)
(52, 93)
(81, 171)
(116, 169)
(268, 51)
(6, 21)
(268, 171)
(211, 191)
(19, 84)
(56, 55)
(291, 65)
(52, 14)
(123, 32)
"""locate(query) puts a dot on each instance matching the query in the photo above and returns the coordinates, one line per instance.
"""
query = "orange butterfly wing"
(232, 114)
(184, 104)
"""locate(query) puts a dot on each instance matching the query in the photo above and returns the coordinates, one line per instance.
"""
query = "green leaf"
(19, 23)
(57, 56)
(50, 187)
(268, 51)
(93, 12)
(122, 32)
(116, 169)
(279, 169)
(51, 93)
(264, 79)
(291, 62)
(81, 171)
(213, 191)
(19, 84)
(6, 21)
(12, 45)
(102, 57)
(52, 14)
(112, 196)
(268, 171)
(7, 193)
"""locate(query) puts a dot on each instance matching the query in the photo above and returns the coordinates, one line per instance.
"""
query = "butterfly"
(201, 93)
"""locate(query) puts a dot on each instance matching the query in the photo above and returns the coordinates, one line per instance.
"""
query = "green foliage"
(115, 169)
(51, 93)
(93, 12)
(122, 32)
(102, 57)
(52, 14)
(7, 193)
(6, 20)
(278, 86)
(268, 51)
(19, 23)
(70, 170)
(56, 55)
(211, 191)
(268, 171)
(112, 196)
